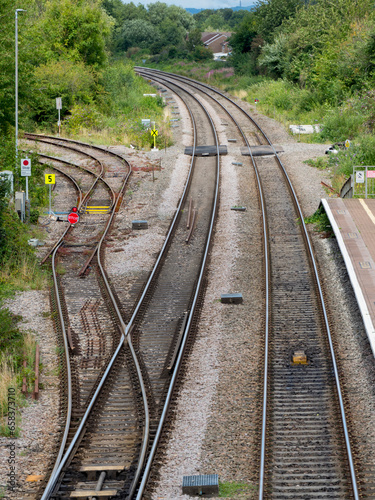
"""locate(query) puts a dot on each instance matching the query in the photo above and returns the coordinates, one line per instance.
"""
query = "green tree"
(73, 29)
(181, 17)
(271, 14)
(157, 12)
(201, 53)
(122, 12)
(200, 17)
(236, 18)
(137, 33)
(7, 62)
(74, 82)
(172, 34)
(242, 39)
(194, 39)
(215, 21)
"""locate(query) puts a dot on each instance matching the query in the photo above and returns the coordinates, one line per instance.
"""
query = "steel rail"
(60, 171)
(81, 198)
(159, 259)
(64, 334)
(125, 334)
(100, 176)
(79, 143)
(191, 312)
(53, 158)
(113, 196)
(119, 194)
(266, 257)
(67, 361)
(57, 468)
(322, 304)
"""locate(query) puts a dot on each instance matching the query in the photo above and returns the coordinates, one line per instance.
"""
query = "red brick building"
(217, 42)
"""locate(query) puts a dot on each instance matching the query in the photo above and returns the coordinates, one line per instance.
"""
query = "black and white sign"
(360, 177)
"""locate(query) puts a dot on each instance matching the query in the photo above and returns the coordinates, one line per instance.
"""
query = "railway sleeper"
(311, 495)
(105, 494)
(111, 470)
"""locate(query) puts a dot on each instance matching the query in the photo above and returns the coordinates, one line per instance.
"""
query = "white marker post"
(26, 172)
(58, 107)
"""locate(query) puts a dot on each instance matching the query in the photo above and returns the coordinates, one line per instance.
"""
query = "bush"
(83, 117)
(367, 149)
(321, 222)
(341, 124)
(73, 82)
(200, 53)
(11, 338)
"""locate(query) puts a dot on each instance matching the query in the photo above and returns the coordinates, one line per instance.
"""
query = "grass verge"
(321, 223)
(237, 490)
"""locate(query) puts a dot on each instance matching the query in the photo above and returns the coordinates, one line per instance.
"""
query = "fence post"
(24, 384)
(36, 387)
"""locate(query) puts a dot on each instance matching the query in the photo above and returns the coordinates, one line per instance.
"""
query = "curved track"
(305, 447)
(112, 440)
(90, 322)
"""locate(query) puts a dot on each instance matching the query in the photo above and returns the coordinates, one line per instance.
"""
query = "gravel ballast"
(222, 383)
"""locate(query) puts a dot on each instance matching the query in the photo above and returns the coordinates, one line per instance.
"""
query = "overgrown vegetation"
(237, 490)
(321, 222)
(19, 270)
(16, 348)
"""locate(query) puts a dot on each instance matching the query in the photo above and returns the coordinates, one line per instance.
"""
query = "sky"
(199, 4)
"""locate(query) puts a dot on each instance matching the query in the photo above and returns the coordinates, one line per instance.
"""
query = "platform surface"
(353, 221)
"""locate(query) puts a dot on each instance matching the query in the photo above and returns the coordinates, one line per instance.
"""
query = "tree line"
(325, 46)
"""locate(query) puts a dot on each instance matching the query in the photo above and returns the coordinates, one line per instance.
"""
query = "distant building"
(218, 43)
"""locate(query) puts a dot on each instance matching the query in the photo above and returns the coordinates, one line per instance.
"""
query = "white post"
(50, 203)
(59, 107)
(16, 90)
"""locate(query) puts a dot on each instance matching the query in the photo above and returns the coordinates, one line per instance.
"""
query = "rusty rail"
(189, 213)
(192, 225)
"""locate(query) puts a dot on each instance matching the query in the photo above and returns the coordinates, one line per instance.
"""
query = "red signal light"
(74, 209)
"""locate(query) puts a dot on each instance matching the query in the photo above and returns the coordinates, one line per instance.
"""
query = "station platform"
(353, 222)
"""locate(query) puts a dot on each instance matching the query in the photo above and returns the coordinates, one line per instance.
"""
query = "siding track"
(107, 447)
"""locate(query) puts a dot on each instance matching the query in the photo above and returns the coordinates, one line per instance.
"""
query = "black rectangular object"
(206, 150)
(261, 150)
(231, 298)
(139, 224)
(206, 484)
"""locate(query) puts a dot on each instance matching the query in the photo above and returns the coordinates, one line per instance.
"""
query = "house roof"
(216, 41)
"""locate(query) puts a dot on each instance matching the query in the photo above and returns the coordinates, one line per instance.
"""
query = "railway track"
(106, 453)
(89, 319)
(305, 446)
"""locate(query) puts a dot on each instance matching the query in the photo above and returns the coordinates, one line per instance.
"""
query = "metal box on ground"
(207, 484)
(231, 298)
(139, 224)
